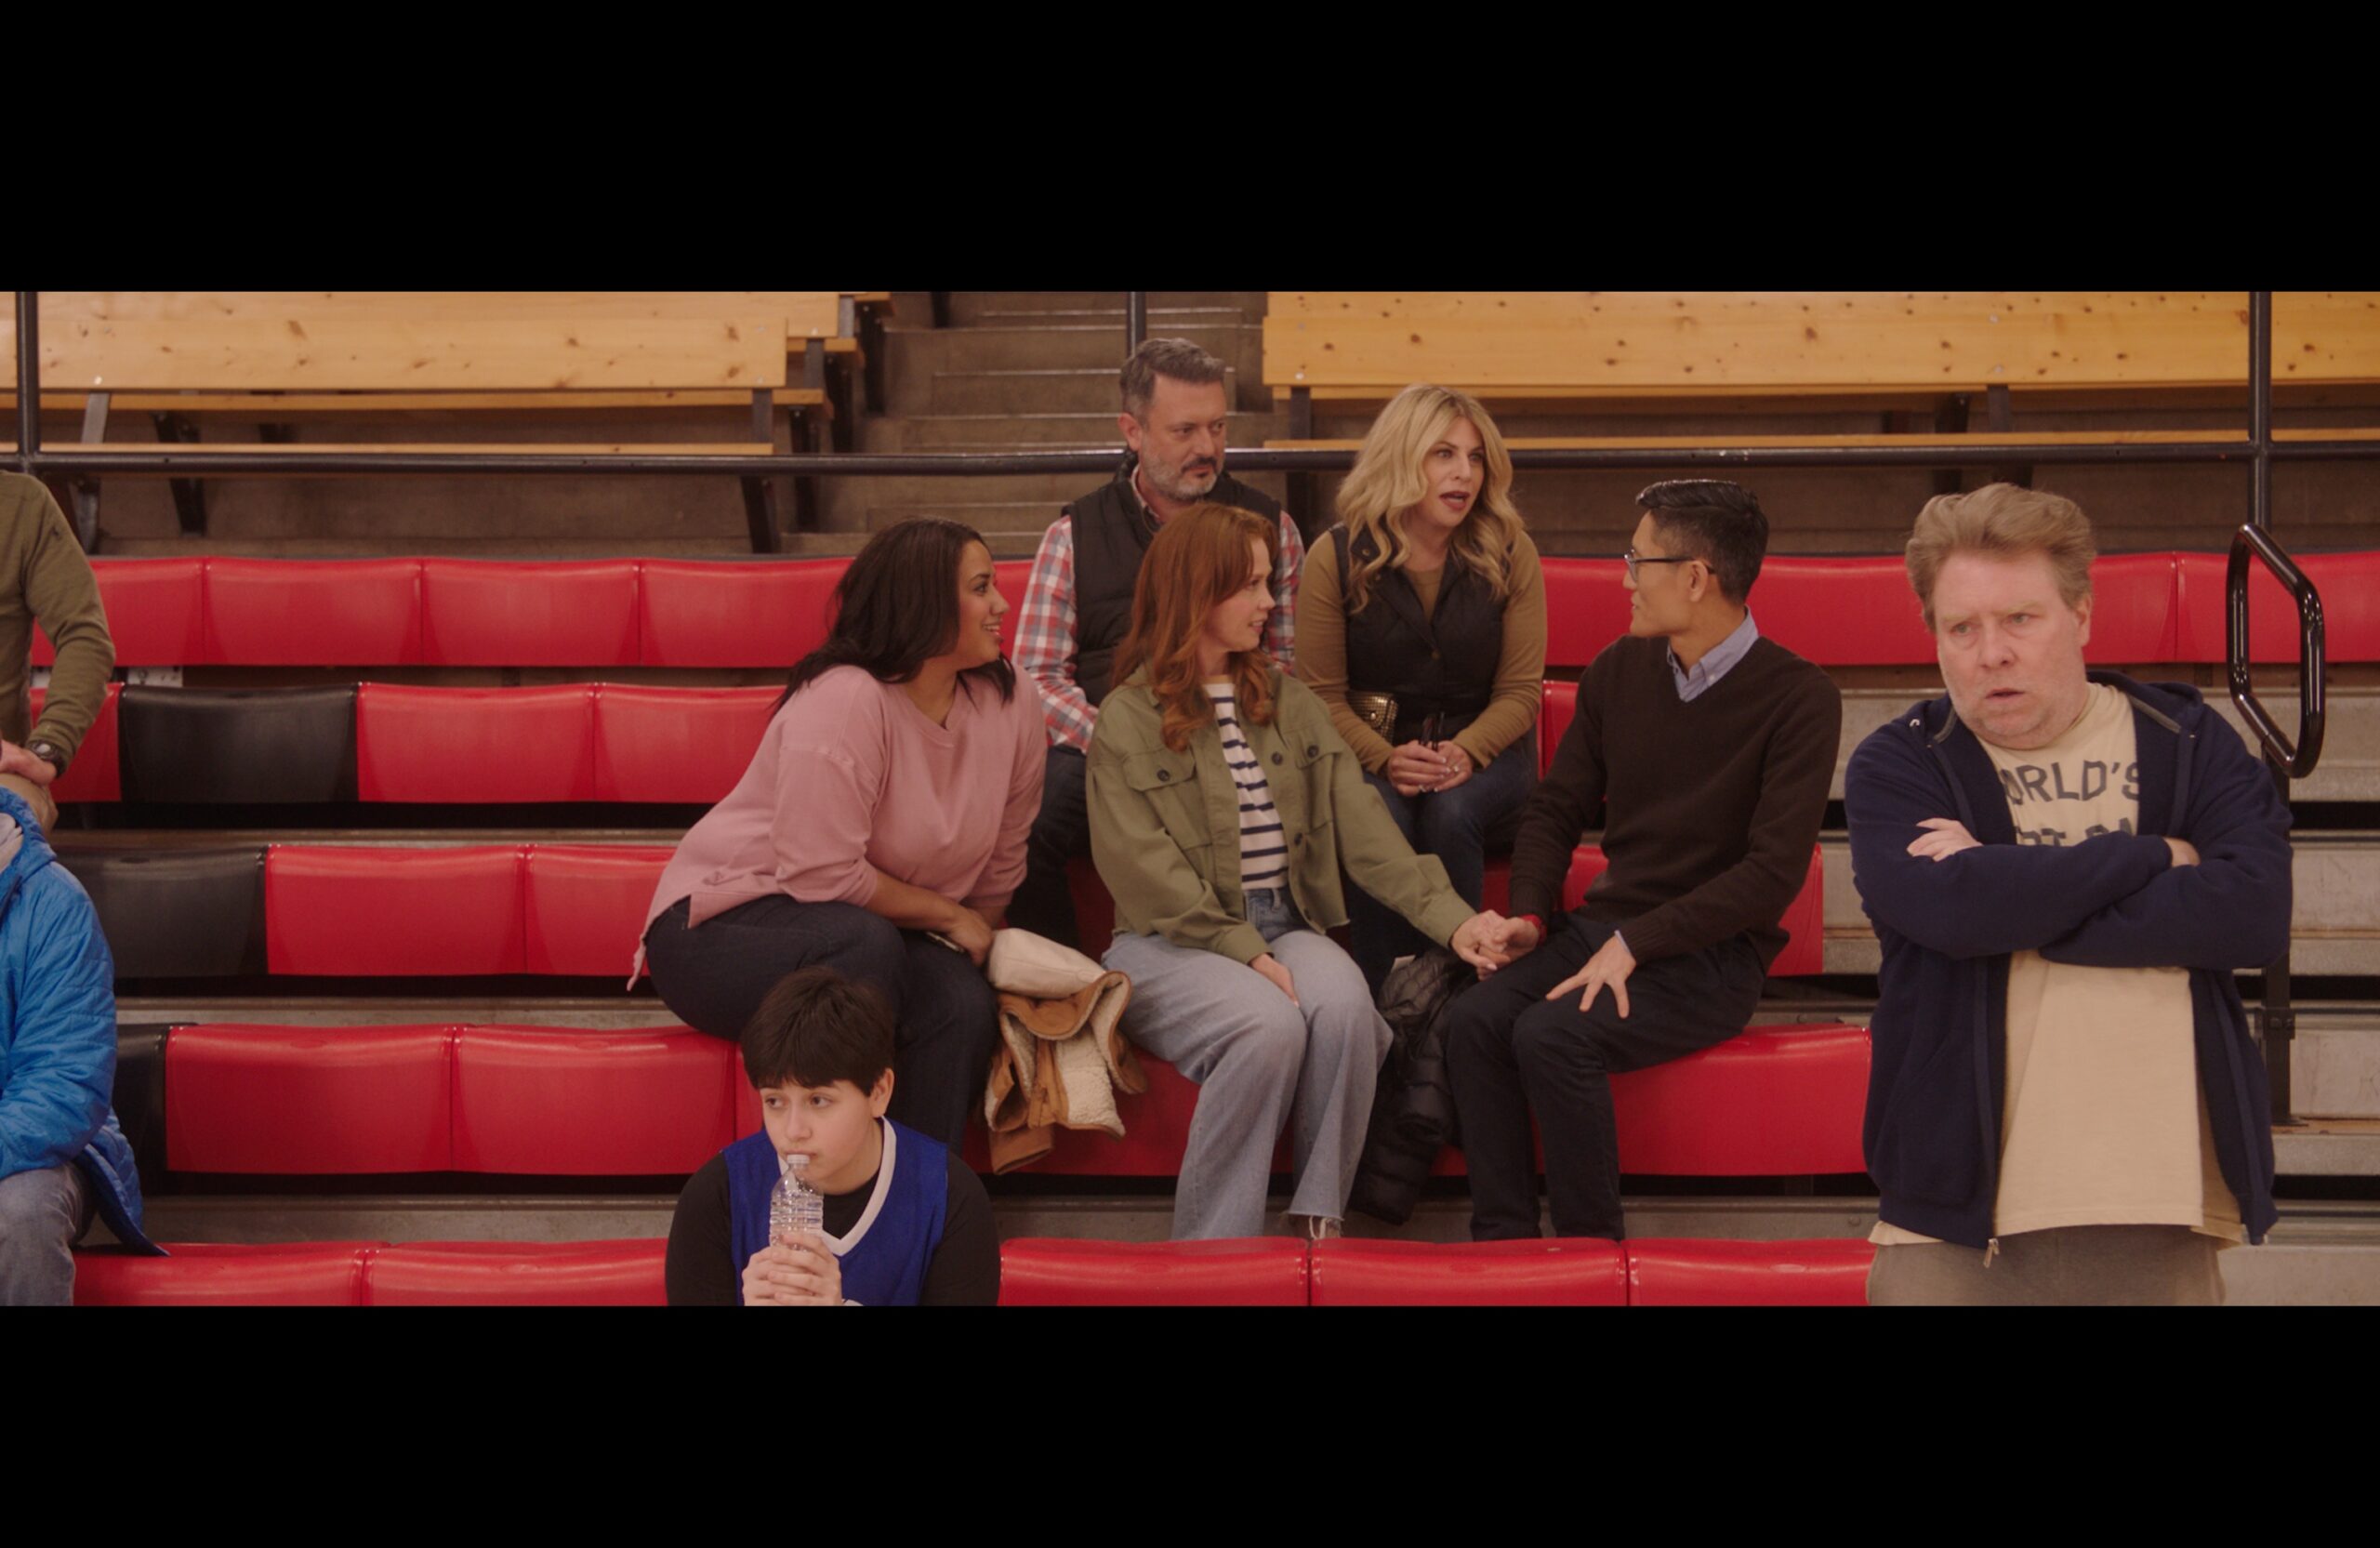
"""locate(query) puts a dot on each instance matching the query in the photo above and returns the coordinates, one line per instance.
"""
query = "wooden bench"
(453, 363)
(1792, 351)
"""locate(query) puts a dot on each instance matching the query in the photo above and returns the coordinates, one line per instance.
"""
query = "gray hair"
(1177, 358)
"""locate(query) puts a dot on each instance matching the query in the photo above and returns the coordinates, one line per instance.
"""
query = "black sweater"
(1708, 809)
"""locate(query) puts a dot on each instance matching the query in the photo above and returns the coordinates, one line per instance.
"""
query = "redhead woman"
(1222, 805)
(880, 828)
(1421, 627)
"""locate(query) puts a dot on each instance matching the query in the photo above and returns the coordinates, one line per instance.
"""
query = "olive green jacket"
(44, 575)
(1165, 825)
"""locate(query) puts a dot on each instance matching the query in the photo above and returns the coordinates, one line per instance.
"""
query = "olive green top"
(1165, 825)
(44, 575)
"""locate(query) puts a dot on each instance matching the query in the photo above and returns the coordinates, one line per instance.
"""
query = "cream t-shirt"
(2104, 1122)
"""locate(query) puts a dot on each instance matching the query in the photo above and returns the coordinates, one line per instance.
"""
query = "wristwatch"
(48, 752)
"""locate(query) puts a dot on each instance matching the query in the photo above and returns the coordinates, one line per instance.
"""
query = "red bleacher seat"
(1774, 1101)
(1559, 708)
(211, 1274)
(1561, 1273)
(583, 905)
(1694, 1272)
(305, 1099)
(1258, 1270)
(1156, 1131)
(313, 611)
(1854, 611)
(155, 607)
(676, 744)
(474, 744)
(546, 1102)
(516, 1273)
(95, 775)
(332, 909)
(1586, 608)
(693, 613)
(1009, 575)
(2349, 586)
(478, 612)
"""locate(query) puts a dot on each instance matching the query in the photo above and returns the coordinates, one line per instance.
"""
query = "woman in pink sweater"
(880, 827)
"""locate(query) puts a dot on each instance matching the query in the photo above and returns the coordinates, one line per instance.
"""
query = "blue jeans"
(42, 1212)
(1452, 824)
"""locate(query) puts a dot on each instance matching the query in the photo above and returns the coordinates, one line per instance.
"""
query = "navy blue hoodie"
(1939, 1076)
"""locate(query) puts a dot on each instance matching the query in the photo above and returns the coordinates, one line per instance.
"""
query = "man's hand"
(1273, 968)
(19, 760)
(45, 809)
(1479, 941)
(2185, 852)
(795, 1270)
(1949, 836)
(1610, 967)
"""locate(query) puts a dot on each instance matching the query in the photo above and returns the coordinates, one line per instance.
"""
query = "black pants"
(1061, 834)
(1510, 1050)
(944, 1016)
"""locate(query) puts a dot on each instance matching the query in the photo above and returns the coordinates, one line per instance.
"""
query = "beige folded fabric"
(1063, 1055)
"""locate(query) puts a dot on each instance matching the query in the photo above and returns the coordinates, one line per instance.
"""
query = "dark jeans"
(1452, 824)
(944, 1016)
(1510, 1050)
(1061, 834)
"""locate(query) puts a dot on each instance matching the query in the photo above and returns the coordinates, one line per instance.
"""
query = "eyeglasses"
(1633, 559)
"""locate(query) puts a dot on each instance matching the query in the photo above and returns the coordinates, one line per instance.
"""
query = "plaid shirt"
(1045, 635)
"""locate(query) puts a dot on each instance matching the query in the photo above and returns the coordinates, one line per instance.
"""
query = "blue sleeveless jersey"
(885, 1257)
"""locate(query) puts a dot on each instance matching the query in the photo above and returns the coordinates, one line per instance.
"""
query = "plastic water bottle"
(795, 1206)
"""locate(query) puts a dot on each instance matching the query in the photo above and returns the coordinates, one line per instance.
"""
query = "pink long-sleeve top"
(852, 779)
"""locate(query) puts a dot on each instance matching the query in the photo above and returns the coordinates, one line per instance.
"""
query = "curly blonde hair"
(1388, 482)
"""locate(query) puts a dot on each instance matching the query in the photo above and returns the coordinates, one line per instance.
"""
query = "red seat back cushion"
(1684, 1271)
(556, 1103)
(154, 609)
(676, 744)
(2350, 586)
(517, 1274)
(1586, 609)
(1260, 1271)
(511, 614)
(524, 744)
(583, 906)
(309, 1100)
(693, 613)
(95, 774)
(313, 613)
(219, 1274)
(359, 911)
(1776, 1100)
(1561, 1273)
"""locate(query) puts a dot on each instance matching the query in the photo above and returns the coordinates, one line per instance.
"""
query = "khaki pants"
(2076, 1266)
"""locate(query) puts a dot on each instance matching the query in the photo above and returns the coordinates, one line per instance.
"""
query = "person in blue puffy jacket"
(63, 1156)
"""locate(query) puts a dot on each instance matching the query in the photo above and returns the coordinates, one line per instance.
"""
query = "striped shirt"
(1264, 851)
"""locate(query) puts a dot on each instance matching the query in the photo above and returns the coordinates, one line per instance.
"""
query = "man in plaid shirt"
(1078, 600)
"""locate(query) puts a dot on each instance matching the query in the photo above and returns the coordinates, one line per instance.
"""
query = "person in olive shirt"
(906, 1224)
(1703, 751)
(45, 577)
(1428, 592)
(1221, 806)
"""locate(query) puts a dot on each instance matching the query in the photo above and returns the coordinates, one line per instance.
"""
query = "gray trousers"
(1256, 1057)
(2072, 1266)
(41, 1215)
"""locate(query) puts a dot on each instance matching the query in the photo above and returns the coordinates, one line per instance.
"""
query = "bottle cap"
(798, 1161)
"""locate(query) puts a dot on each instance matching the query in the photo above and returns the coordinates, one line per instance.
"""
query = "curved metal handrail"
(2299, 755)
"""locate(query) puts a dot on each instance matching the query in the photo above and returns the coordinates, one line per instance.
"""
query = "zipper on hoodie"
(1987, 1120)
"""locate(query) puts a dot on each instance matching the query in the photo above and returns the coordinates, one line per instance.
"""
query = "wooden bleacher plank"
(1980, 439)
(807, 313)
(424, 449)
(341, 354)
(1578, 343)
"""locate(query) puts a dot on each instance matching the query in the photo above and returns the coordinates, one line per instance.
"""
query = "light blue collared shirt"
(1695, 680)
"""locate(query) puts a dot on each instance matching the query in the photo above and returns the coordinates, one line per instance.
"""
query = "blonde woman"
(1421, 626)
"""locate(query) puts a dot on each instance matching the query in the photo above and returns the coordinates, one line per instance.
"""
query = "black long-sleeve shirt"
(701, 1270)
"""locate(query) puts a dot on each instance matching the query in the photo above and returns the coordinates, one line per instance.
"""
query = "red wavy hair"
(1198, 558)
